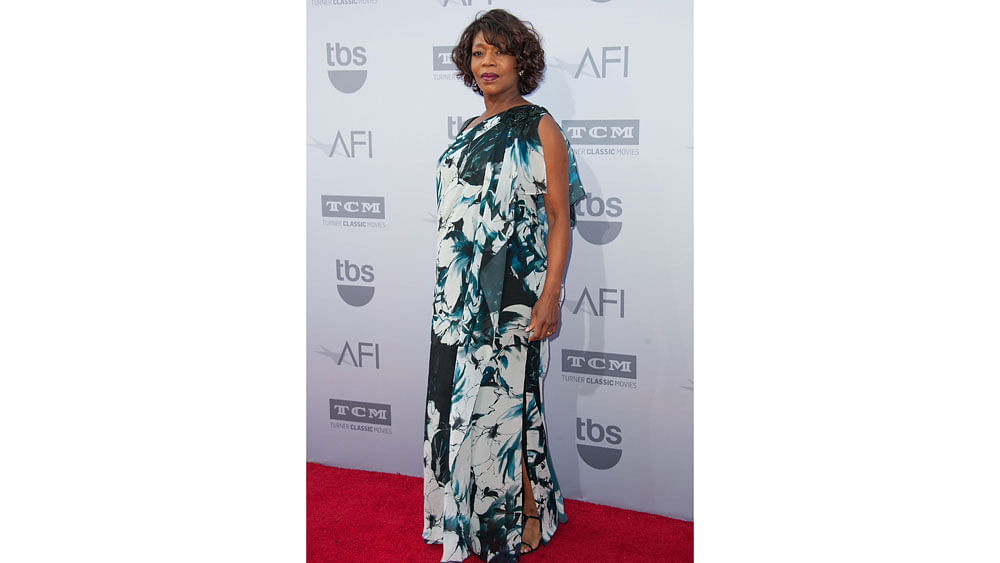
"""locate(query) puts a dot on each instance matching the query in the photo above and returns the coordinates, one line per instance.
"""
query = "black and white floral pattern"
(484, 407)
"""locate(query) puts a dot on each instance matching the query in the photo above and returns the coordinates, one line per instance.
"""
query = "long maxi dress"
(484, 406)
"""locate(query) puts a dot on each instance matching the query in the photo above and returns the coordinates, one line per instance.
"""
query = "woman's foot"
(531, 530)
(531, 533)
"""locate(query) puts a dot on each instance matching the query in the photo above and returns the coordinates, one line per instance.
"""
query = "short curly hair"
(502, 29)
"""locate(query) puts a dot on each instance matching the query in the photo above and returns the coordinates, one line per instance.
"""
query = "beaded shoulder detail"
(525, 115)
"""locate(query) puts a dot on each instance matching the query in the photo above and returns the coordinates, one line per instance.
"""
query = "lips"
(489, 76)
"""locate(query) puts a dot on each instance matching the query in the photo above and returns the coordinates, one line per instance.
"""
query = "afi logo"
(354, 143)
(358, 411)
(598, 363)
(354, 356)
(340, 58)
(598, 231)
(602, 131)
(609, 55)
(602, 456)
(356, 295)
(605, 296)
(353, 206)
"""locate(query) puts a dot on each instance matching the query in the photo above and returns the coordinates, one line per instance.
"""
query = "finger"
(532, 320)
(543, 331)
(539, 332)
(531, 331)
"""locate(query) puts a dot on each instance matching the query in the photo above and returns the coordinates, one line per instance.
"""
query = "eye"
(477, 53)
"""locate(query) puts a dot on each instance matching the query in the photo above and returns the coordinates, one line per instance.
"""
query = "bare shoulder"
(548, 129)
(550, 135)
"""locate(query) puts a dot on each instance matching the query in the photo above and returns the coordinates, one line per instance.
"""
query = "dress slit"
(524, 461)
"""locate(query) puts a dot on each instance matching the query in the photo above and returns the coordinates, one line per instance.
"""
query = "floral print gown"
(484, 407)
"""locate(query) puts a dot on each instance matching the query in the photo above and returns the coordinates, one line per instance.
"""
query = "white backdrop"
(383, 103)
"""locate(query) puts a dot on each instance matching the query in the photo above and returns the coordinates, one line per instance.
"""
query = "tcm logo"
(355, 143)
(598, 363)
(614, 299)
(357, 411)
(615, 57)
(354, 355)
(600, 456)
(442, 58)
(598, 231)
(351, 293)
(602, 131)
(465, 2)
(341, 58)
(354, 206)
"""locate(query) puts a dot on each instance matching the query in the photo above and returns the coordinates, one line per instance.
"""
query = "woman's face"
(495, 70)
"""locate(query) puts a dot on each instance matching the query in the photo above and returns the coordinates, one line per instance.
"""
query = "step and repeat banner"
(383, 103)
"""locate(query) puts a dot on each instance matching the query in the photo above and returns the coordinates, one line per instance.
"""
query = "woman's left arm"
(545, 313)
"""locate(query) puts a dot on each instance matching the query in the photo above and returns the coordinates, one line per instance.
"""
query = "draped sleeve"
(531, 173)
(514, 172)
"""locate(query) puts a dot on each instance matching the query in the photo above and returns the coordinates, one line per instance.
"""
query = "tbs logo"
(599, 231)
(341, 58)
(454, 122)
(598, 456)
(352, 294)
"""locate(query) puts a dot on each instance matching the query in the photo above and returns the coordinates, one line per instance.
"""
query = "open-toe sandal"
(526, 516)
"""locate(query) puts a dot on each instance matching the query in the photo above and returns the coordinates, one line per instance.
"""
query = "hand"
(544, 318)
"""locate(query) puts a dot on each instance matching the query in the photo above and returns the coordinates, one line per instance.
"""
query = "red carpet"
(366, 516)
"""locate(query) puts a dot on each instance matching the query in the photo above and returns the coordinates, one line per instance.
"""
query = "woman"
(505, 188)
